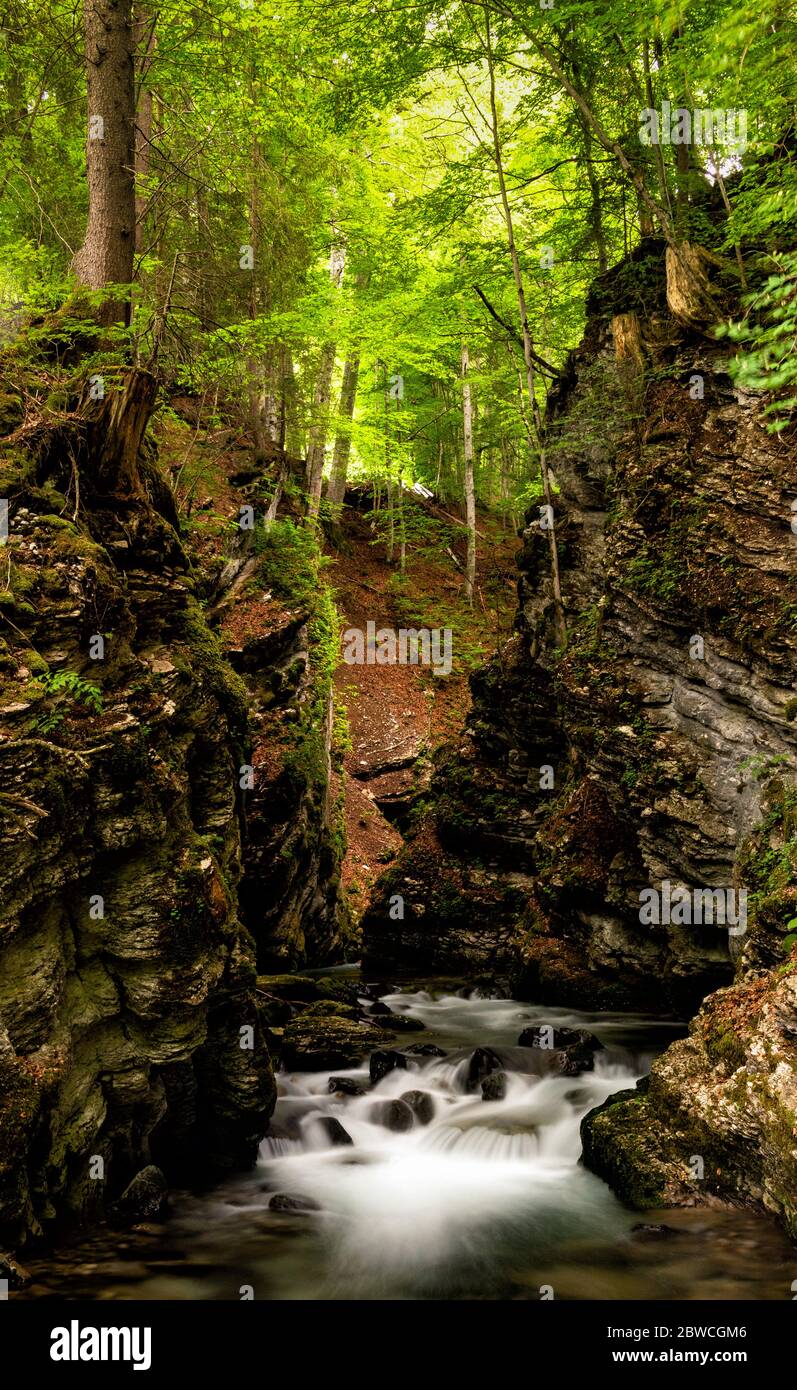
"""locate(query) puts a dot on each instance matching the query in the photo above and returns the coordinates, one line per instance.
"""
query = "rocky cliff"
(656, 752)
(131, 1031)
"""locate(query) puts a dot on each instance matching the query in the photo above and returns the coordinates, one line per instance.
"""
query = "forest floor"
(397, 715)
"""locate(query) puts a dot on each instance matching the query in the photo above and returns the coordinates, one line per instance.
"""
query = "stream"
(448, 1196)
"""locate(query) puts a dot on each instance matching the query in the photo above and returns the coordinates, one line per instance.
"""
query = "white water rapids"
(442, 1205)
(486, 1200)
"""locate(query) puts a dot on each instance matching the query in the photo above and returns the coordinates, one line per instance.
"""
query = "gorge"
(398, 655)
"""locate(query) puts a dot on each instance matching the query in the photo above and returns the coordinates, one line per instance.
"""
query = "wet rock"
(338, 987)
(345, 1086)
(572, 1049)
(293, 987)
(286, 1201)
(482, 1062)
(12, 1271)
(379, 1008)
(426, 1050)
(493, 1087)
(145, 1198)
(376, 991)
(335, 1133)
(395, 1115)
(330, 1008)
(321, 1044)
(558, 1039)
(385, 1060)
(400, 1023)
(421, 1104)
(648, 1230)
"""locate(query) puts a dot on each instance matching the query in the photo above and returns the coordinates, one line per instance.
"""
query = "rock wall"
(131, 1030)
(637, 755)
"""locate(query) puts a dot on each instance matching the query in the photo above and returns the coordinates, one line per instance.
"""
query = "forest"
(398, 635)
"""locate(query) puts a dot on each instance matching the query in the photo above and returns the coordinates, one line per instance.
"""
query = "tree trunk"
(470, 494)
(145, 44)
(318, 431)
(336, 487)
(106, 256)
(117, 432)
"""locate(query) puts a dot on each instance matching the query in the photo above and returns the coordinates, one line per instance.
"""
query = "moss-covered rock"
(319, 1043)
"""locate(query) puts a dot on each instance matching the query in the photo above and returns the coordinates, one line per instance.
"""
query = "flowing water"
(486, 1199)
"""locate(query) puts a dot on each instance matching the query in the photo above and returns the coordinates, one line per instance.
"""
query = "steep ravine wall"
(639, 754)
(131, 1031)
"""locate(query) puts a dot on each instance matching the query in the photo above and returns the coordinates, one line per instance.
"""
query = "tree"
(470, 492)
(106, 256)
(318, 431)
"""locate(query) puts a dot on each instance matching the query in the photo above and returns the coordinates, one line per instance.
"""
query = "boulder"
(331, 1008)
(385, 1060)
(482, 1062)
(421, 1104)
(338, 987)
(294, 987)
(336, 1134)
(16, 1276)
(145, 1198)
(286, 1201)
(345, 1086)
(313, 1043)
(395, 1115)
(573, 1049)
(400, 1023)
(494, 1086)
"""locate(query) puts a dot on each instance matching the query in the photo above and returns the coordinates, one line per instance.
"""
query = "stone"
(385, 1060)
(313, 1043)
(146, 1198)
(421, 1104)
(400, 1023)
(345, 1086)
(395, 1115)
(334, 1130)
(481, 1063)
(493, 1087)
(13, 1272)
(287, 1201)
(291, 987)
(330, 1008)
(572, 1050)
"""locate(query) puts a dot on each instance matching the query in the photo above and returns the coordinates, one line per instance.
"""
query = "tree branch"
(538, 361)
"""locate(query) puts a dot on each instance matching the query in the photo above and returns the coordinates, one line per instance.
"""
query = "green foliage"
(66, 687)
(767, 334)
(290, 561)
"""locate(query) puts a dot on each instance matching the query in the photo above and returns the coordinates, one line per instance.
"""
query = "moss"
(207, 663)
(724, 1046)
(68, 542)
(12, 605)
(330, 1008)
(12, 411)
(790, 708)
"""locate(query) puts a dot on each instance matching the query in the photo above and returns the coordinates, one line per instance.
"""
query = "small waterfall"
(355, 1197)
(411, 1207)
